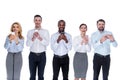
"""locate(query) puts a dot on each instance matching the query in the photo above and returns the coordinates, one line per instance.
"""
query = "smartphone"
(13, 33)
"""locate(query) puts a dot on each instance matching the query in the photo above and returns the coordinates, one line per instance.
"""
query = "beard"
(61, 30)
(101, 29)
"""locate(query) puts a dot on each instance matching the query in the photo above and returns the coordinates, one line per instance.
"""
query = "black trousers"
(37, 60)
(98, 62)
(63, 63)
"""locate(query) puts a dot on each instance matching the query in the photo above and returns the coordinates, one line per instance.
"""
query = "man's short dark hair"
(61, 21)
(100, 20)
(37, 16)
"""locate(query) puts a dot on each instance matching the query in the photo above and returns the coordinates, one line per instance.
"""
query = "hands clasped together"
(13, 37)
(36, 35)
(108, 36)
(62, 37)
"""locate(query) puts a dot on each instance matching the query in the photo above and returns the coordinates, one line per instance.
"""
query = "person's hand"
(110, 37)
(34, 36)
(85, 40)
(11, 36)
(39, 37)
(103, 39)
(64, 38)
(59, 38)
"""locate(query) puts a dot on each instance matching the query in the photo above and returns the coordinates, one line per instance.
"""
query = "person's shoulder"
(45, 30)
(108, 32)
(55, 33)
(22, 39)
(31, 30)
(94, 33)
(67, 33)
(76, 37)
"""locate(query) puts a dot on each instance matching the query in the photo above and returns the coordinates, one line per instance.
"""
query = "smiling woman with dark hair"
(81, 45)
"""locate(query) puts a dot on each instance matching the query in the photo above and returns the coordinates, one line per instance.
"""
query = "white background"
(74, 12)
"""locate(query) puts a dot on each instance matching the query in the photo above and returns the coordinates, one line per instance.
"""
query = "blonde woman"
(81, 45)
(14, 44)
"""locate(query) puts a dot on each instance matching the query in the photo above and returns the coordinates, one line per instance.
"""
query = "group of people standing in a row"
(61, 43)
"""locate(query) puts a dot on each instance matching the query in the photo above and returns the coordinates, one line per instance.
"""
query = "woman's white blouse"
(81, 48)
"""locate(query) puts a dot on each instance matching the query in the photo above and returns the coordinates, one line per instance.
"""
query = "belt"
(38, 54)
(102, 55)
(63, 56)
(14, 52)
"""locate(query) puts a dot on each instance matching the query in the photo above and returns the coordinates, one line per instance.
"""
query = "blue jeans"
(37, 60)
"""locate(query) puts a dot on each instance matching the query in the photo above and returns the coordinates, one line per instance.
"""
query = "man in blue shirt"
(101, 41)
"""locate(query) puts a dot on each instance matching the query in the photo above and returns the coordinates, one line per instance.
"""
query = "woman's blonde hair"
(20, 29)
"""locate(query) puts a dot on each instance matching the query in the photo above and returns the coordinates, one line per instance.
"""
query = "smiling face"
(61, 26)
(101, 26)
(37, 21)
(83, 28)
(16, 27)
